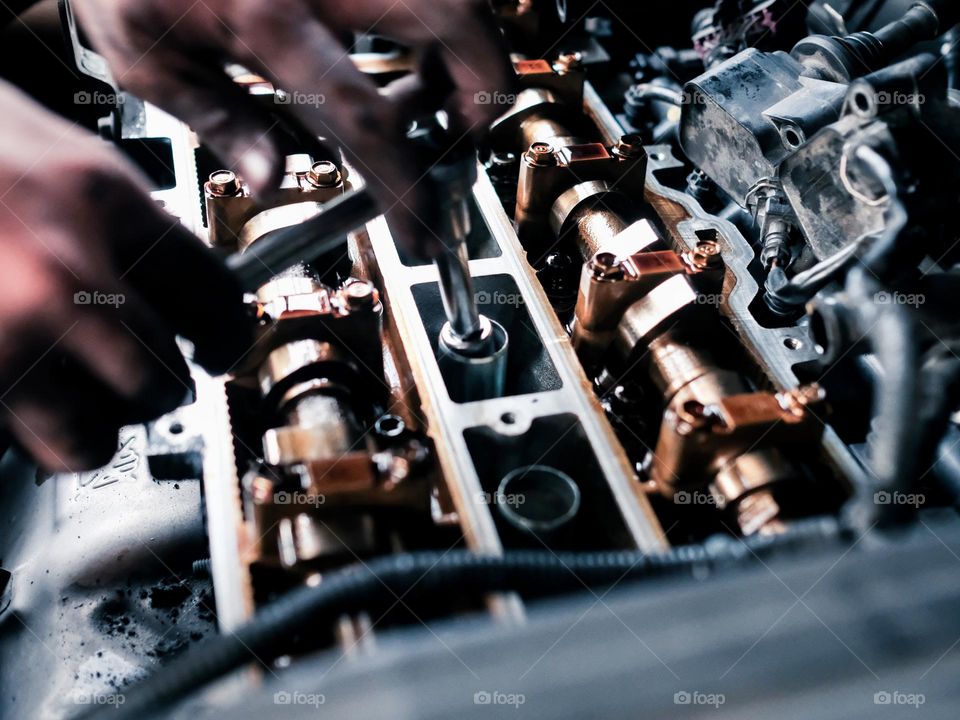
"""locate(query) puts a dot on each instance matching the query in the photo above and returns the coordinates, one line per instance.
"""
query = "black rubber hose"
(379, 582)
(891, 333)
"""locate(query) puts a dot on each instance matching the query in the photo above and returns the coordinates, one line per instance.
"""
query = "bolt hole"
(792, 343)
(508, 418)
(176, 428)
(862, 102)
(658, 156)
(792, 137)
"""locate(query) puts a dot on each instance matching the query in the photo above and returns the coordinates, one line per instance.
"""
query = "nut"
(566, 62)
(360, 295)
(324, 174)
(706, 254)
(541, 154)
(223, 183)
(629, 146)
(605, 266)
(798, 400)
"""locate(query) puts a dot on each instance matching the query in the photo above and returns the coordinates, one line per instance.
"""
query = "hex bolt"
(706, 254)
(223, 183)
(541, 154)
(798, 399)
(324, 174)
(692, 417)
(360, 295)
(566, 62)
(605, 266)
(629, 146)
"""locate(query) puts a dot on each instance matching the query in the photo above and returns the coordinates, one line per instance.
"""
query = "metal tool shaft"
(307, 241)
(456, 288)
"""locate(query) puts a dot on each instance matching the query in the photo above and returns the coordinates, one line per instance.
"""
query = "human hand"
(97, 281)
(172, 53)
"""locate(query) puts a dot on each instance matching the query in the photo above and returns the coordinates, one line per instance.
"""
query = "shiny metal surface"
(509, 416)
(778, 350)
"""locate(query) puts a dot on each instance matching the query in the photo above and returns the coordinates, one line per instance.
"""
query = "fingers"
(128, 347)
(85, 362)
(185, 285)
(429, 88)
(470, 44)
(478, 64)
(308, 61)
(63, 416)
(84, 313)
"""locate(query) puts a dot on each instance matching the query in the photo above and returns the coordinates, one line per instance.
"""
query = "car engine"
(692, 346)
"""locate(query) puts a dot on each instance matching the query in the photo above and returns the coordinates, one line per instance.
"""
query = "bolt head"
(360, 294)
(223, 183)
(705, 255)
(708, 248)
(629, 146)
(541, 154)
(798, 399)
(566, 62)
(324, 174)
(605, 266)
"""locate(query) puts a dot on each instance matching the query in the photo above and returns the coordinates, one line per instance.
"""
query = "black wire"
(381, 581)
